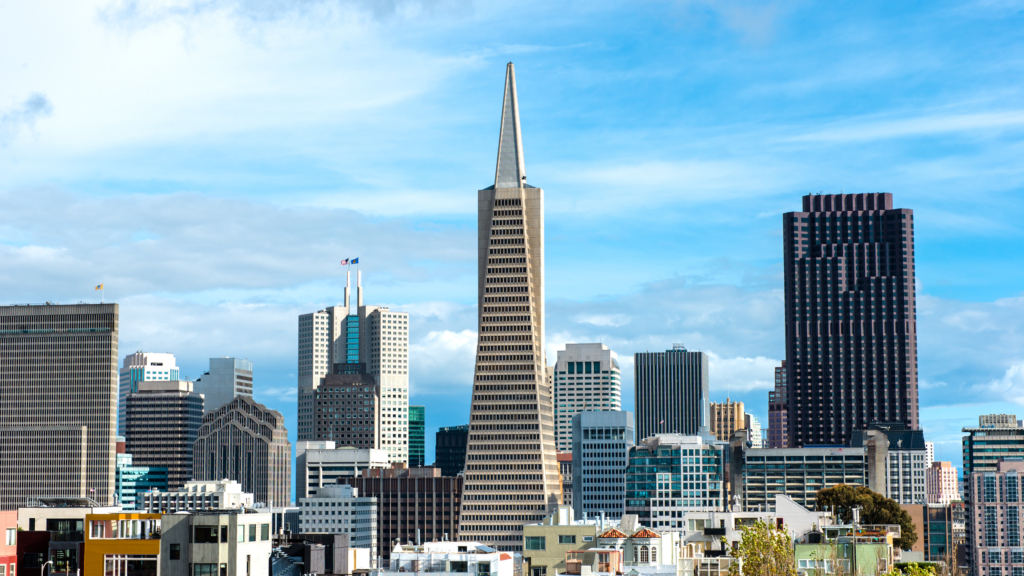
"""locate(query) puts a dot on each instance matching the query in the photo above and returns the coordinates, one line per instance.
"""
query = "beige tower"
(511, 469)
(727, 418)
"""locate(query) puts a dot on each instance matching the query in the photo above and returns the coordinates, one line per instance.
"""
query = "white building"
(754, 434)
(929, 449)
(586, 379)
(140, 367)
(320, 463)
(219, 543)
(455, 558)
(384, 348)
(376, 338)
(227, 379)
(199, 495)
(340, 509)
(941, 483)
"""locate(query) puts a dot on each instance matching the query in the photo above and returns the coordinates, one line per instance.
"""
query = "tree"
(764, 550)
(875, 509)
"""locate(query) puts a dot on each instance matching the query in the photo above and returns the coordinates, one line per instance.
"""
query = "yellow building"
(726, 418)
(118, 543)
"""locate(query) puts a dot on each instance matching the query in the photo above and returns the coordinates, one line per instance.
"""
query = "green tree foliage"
(765, 551)
(875, 509)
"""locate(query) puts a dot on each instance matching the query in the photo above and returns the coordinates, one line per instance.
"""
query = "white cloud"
(23, 116)
(865, 129)
(1010, 387)
(742, 375)
(442, 363)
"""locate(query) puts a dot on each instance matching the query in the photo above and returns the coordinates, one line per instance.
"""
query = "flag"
(344, 262)
(355, 260)
(100, 287)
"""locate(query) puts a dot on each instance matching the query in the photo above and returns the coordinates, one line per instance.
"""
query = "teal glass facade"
(352, 339)
(131, 482)
(671, 474)
(417, 435)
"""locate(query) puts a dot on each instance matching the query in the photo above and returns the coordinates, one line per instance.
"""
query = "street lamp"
(43, 571)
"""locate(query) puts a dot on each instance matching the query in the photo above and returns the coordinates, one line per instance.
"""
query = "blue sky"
(211, 162)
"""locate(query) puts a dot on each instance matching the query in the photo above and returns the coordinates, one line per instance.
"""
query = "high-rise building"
(247, 442)
(161, 427)
(997, 438)
(341, 509)
(58, 402)
(851, 317)
(994, 540)
(227, 379)
(413, 504)
(322, 463)
(671, 392)
(131, 482)
(450, 449)
(512, 434)
(374, 337)
(601, 443)
(322, 339)
(726, 418)
(778, 405)
(417, 436)
(670, 474)
(753, 428)
(586, 377)
(941, 483)
(384, 348)
(929, 449)
(141, 367)
(348, 408)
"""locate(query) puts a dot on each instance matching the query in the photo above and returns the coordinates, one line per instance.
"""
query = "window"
(223, 533)
(130, 565)
(654, 553)
(3, 570)
(204, 535)
(566, 539)
(12, 536)
(264, 532)
(223, 570)
(645, 554)
(535, 543)
(241, 532)
(252, 532)
(204, 570)
(175, 551)
(248, 565)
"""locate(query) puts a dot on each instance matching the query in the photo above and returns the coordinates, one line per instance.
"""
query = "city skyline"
(261, 233)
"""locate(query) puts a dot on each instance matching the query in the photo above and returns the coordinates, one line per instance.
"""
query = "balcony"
(62, 536)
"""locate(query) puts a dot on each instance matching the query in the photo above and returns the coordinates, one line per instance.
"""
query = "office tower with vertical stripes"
(586, 377)
(142, 367)
(511, 468)
(58, 402)
(851, 318)
(671, 393)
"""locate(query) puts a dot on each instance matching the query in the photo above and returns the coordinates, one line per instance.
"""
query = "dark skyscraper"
(671, 392)
(450, 449)
(417, 433)
(851, 327)
(161, 426)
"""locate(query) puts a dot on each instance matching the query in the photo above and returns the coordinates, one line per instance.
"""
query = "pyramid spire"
(511, 170)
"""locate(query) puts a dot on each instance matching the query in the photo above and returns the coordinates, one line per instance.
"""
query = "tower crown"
(511, 169)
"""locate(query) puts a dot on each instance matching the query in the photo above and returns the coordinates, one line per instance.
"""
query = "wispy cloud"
(23, 116)
(867, 129)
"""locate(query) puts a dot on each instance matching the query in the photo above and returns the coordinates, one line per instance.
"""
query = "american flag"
(344, 262)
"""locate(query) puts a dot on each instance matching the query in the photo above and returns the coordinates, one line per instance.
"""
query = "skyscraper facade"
(161, 427)
(671, 390)
(778, 406)
(348, 408)
(227, 379)
(511, 468)
(417, 436)
(58, 402)
(851, 326)
(601, 443)
(726, 418)
(384, 348)
(586, 377)
(141, 367)
(374, 337)
(246, 442)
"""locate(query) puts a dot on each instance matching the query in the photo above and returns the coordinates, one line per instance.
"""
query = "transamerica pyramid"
(511, 476)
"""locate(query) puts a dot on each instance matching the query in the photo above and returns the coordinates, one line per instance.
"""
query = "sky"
(211, 162)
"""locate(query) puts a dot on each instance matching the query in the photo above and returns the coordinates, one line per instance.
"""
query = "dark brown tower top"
(847, 202)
